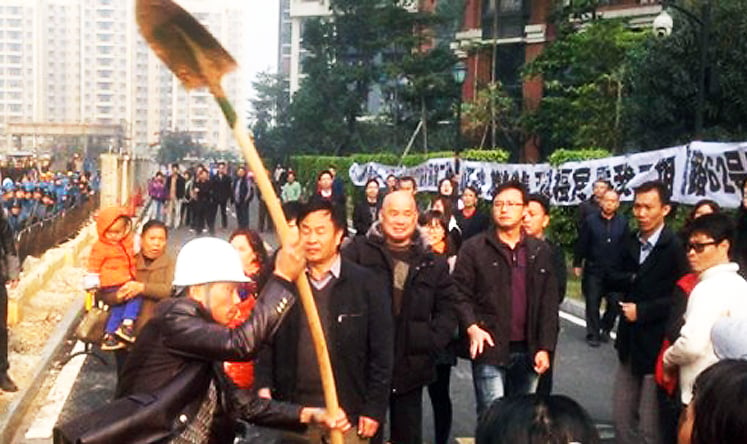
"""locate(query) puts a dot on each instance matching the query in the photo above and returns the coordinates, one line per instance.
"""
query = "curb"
(12, 418)
(574, 307)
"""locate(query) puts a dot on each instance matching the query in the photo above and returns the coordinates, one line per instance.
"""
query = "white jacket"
(720, 292)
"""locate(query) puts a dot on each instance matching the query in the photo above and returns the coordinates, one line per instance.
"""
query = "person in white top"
(720, 292)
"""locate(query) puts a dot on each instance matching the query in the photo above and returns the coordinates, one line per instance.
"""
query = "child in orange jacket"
(110, 266)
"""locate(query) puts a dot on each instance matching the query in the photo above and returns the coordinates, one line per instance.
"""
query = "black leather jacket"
(171, 366)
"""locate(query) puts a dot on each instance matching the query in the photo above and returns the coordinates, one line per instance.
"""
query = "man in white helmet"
(172, 387)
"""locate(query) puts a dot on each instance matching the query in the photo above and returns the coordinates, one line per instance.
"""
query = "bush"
(564, 155)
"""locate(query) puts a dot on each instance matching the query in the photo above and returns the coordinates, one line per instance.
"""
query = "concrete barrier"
(33, 280)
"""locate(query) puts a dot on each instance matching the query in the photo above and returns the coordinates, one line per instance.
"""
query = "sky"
(262, 35)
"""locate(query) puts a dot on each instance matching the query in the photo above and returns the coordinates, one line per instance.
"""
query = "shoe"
(7, 384)
(111, 343)
(126, 333)
(593, 342)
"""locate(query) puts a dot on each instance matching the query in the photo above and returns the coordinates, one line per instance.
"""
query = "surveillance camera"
(663, 24)
(662, 31)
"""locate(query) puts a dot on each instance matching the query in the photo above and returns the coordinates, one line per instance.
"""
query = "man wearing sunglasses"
(720, 292)
(654, 261)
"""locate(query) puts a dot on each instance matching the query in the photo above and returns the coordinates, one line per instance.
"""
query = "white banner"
(692, 172)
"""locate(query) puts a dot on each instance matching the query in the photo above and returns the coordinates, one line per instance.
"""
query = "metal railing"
(54, 230)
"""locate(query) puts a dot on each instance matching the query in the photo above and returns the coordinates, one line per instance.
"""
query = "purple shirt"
(517, 258)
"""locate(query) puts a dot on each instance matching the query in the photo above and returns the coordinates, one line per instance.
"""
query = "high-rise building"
(84, 62)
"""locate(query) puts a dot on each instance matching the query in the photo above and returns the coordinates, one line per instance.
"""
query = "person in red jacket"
(254, 262)
(111, 264)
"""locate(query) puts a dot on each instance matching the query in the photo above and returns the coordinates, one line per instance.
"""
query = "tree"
(492, 102)
(583, 73)
(663, 81)
(270, 115)
(176, 145)
(370, 46)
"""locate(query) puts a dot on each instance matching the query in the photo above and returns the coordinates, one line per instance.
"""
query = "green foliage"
(663, 80)
(270, 114)
(498, 155)
(176, 145)
(563, 155)
(583, 73)
(374, 45)
(492, 107)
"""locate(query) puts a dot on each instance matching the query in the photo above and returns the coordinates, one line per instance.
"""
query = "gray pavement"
(582, 373)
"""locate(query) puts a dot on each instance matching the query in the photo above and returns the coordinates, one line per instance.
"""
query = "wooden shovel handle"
(304, 289)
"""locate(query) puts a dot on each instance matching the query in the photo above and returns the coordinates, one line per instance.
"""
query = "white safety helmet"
(205, 260)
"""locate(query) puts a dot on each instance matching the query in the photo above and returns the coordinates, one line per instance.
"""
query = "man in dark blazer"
(655, 260)
(243, 193)
(222, 185)
(355, 313)
(507, 301)
(421, 293)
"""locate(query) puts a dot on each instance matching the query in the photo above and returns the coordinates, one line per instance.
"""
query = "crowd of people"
(403, 294)
(37, 196)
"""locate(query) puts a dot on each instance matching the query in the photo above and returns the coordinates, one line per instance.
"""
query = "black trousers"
(223, 214)
(406, 417)
(593, 287)
(242, 214)
(265, 221)
(438, 391)
(4, 365)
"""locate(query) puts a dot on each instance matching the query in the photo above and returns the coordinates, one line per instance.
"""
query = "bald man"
(422, 296)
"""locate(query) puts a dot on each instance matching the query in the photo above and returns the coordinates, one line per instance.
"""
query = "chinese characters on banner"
(692, 172)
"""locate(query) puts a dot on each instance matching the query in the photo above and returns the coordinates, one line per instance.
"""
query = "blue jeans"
(127, 310)
(492, 382)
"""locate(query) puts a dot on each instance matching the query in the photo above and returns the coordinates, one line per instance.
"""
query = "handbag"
(91, 328)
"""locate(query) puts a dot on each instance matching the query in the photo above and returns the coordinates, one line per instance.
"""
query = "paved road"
(583, 373)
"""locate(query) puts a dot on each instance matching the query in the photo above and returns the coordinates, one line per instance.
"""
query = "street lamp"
(459, 72)
(663, 25)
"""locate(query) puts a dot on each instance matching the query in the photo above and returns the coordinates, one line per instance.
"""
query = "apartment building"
(84, 62)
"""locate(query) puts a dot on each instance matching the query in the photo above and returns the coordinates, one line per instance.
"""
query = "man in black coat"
(508, 301)
(204, 202)
(654, 261)
(600, 250)
(355, 312)
(175, 184)
(222, 188)
(422, 296)
(9, 268)
(172, 387)
(243, 193)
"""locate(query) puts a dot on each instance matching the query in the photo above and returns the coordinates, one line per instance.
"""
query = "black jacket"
(426, 322)
(205, 191)
(472, 226)
(9, 264)
(170, 367)
(651, 286)
(601, 243)
(362, 219)
(245, 193)
(483, 277)
(180, 182)
(222, 188)
(360, 337)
